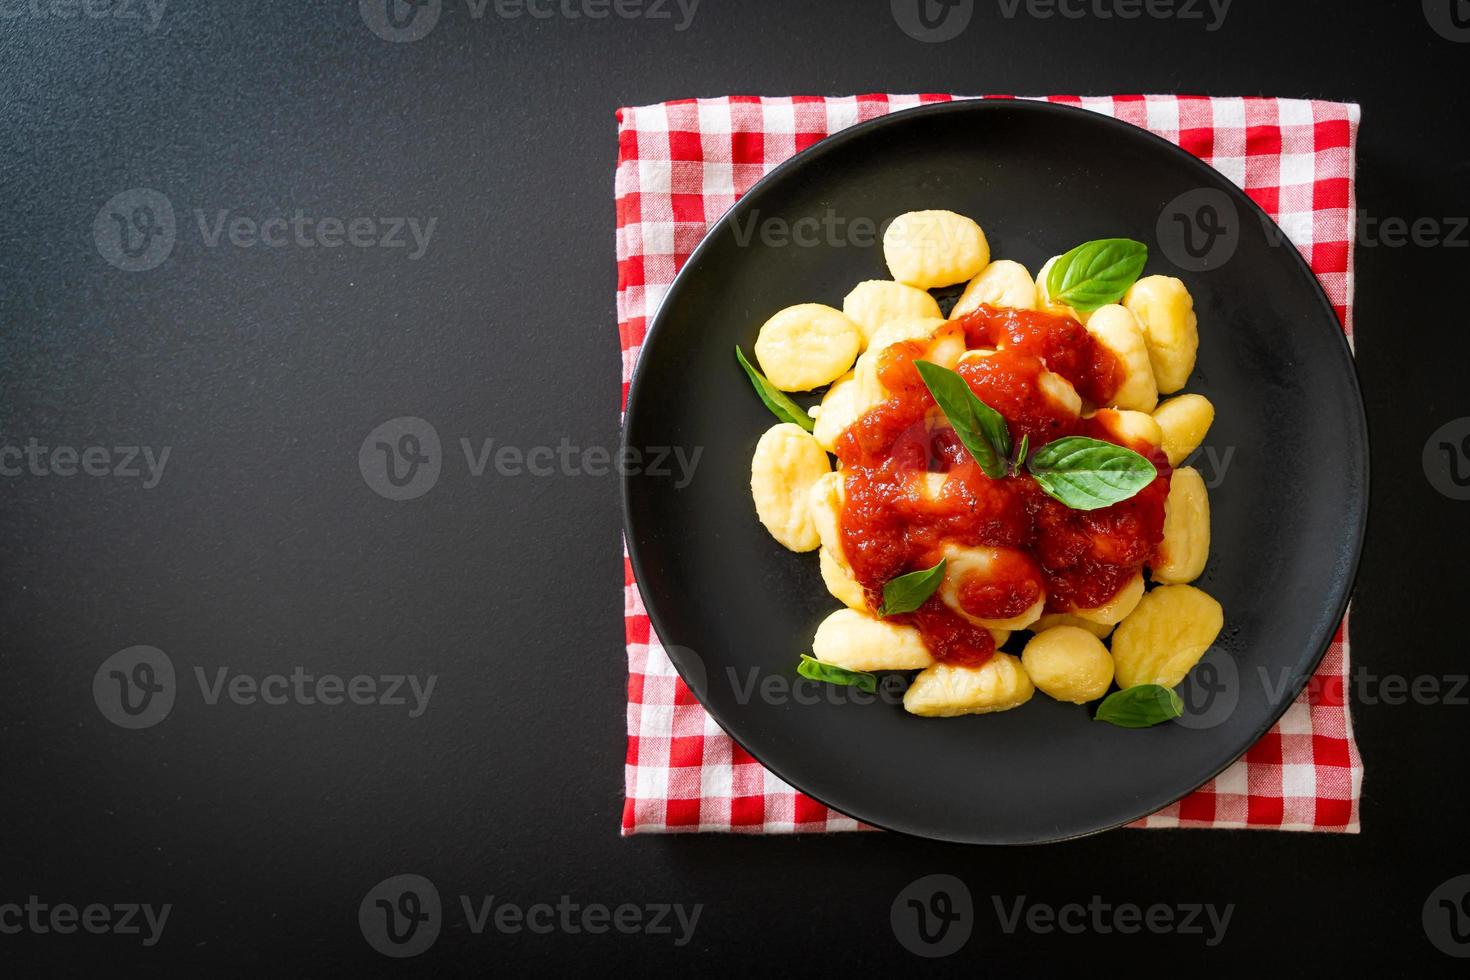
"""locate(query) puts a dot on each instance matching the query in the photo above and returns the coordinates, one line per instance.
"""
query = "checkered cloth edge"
(682, 164)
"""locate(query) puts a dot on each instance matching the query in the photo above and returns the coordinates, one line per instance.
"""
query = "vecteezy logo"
(933, 21)
(1211, 692)
(401, 916)
(1449, 18)
(401, 458)
(135, 230)
(1446, 459)
(1447, 917)
(134, 688)
(1199, 229)
(933, 916)
(400, 21)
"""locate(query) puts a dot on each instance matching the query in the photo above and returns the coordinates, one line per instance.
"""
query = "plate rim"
(1213, 177)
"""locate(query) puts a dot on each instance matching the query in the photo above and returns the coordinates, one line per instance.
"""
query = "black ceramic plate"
(1287, 459)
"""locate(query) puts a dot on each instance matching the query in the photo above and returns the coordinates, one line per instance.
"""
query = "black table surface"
(260, 550)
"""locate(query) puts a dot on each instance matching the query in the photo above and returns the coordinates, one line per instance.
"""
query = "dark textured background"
(262, 548)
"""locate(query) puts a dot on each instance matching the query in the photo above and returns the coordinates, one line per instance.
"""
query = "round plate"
(1287, 461)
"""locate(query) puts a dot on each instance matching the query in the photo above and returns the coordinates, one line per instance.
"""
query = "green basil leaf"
(1086, 474)
(981, 428)
(814, 669)
(1140, 707)
(908, 592)
(782, 407)
(1096, 273)
(1021, 453)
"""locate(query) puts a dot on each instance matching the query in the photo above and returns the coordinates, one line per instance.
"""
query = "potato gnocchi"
(838, 579)
(948, 690)
(939, 532)
(1183, 423)
(1048, 620)
(1131, 427)
(807, 346)
(968, 567)
(1165, 313)
(1003, 283)
(873, 303)
(1068, 663)
(841, 406)
(856, 640)
(870, 391)
(1116, 609)
(824, 503)
(786, 463)
(929, 249)
(1165, 636)
(1116, 329)
(1181, 556)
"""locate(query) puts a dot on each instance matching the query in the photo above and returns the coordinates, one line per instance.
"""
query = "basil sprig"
(1086, 474)
(1140, 707)
(781, 406)
(1022, 451)
(908, 592)
(1083, 473)
(814, 669)
(981, 428)
(1096, 273)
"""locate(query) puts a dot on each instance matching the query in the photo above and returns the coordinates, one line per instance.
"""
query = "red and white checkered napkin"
(682, 164)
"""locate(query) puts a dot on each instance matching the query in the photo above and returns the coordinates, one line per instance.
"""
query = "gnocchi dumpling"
(840, 582)
(1162, 640)
(1043, 293)
(946, 347)
(1049, 620)
(1116, 329)
(927, 249)
(1069, 664)
(970, 568)
(858, 641)
(1181, 556)
(1184, 422)
(1118, 607)
(873, 303)
(824, 500)
(1059, 391)
(1165, 312)
(870, 389)
(901, 329)
(807, 346)
(946, 690)
(841, 406)
(1003, 283)
(824, 503)
(1128, 426)
(786, 463)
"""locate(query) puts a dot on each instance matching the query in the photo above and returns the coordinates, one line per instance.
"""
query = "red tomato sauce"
(1016, 583)
(1063, 343)
(1009, 382)
(911, 489)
